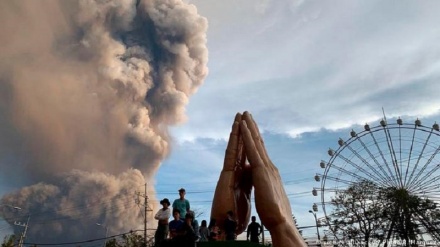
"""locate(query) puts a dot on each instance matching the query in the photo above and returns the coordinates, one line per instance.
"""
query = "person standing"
(214, 231)
(176, 224)
(230, 226)
(194, 223)
(181, 203)
(254, 230)
(162, 228)
(187, 236)
(204, 232)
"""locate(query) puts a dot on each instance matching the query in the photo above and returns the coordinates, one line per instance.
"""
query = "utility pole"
(23, 235)
(145, 215)
(145, 211)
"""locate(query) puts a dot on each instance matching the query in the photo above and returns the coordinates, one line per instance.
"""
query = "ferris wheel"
(402, 155)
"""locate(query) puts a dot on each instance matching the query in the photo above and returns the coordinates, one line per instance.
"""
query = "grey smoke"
(87, 91)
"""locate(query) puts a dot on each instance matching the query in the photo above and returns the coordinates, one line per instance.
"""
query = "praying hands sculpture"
(238, 177)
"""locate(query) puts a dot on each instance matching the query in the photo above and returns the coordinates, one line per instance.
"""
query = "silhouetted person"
(254, 230)
(186, 236)
(230, 226)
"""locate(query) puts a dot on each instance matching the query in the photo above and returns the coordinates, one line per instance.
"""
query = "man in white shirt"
(162, 228)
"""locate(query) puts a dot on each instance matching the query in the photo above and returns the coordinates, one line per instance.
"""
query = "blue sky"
(309, 72)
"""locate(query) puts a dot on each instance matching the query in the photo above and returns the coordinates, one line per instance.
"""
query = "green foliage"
(365, 211)
(408, 214)
(128, 240)
(9, 241)
(357, 213)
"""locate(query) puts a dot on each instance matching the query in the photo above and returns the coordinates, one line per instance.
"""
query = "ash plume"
(87, 91)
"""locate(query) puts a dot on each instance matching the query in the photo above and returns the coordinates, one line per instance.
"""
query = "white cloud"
(304, 67)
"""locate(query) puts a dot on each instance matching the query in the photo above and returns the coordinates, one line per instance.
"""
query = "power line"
(84, 241)
(109, 201)
(41, 221)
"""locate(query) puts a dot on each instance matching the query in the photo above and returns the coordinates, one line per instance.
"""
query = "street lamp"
(106, 232)
(317, 229)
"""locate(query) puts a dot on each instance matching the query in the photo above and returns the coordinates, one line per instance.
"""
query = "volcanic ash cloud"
(87, 91)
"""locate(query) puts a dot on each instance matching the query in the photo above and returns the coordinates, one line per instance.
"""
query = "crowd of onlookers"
(184, 227)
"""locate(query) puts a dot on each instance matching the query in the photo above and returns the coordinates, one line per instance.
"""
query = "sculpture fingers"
(250, 146)
(233, 145)
(256, 136)
(253, 127)
(261, 139)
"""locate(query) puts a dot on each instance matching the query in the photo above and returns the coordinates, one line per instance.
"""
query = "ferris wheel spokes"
(418, 160)
(392, 153)
(424, 168)
(359, 167)
(395, 182)
(427, 184)
(364, 161)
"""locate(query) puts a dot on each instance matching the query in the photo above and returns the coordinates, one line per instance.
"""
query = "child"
(214, 231)
(204, 232)
(176, 224)
(186, 236)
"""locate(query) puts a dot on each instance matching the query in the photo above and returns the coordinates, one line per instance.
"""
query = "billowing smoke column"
(87, 91)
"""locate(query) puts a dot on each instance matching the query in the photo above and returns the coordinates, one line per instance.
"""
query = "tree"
(9, 241)
(357, 214)
(408, 214)
(365, 211)
(128, 240)
(198, 212)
